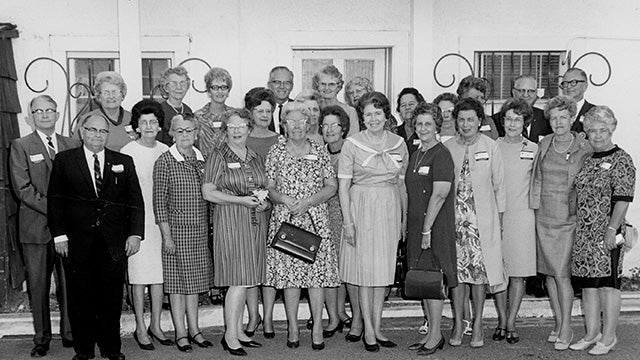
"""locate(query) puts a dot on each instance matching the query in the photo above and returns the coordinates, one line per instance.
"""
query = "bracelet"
(426, 232)
(612, 228)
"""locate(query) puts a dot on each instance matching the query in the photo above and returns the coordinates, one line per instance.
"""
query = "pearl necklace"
(555, 147)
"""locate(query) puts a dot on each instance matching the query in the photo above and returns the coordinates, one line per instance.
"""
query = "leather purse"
(297, 242)
(424, 283)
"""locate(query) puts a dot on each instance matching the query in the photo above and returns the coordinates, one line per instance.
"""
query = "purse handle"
(435, 261)
(313, 223)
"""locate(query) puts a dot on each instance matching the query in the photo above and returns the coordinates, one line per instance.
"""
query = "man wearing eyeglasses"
(574, 84)
(525, 87)
(281, 83)
(96, 216)
(30, 162)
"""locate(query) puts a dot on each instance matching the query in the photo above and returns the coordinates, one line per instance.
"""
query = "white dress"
(145, 267)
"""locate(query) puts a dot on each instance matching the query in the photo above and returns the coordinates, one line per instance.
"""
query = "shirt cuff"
(344, 176)
(59, 239)
(138, 236)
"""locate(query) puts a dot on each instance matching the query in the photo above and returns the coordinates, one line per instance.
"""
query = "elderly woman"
(407, 100)
(605, 187)
(301, 180)
(181, 213)
(311, 100)
(431, 235)
(109, 90)
(328, 82)
(355, 88)
(210, 134)
(478, 89)
(234, 176)
(518, 220)
(334, 127)
(260, 103)
(175, 83)
(145, 267)
(552, 195)
(446, 102)
(479, 203)
(373, 200)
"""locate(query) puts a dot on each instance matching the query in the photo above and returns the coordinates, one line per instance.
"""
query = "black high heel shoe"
(250, 344)
(386, 343)
(499, 334)
(315, 346)
(370, 347)
(142, 346)
(184, 348)
(352, 338)
(236, 352)
(428, 351)
(252, 332)
(165, 341)
(310, 323)
(203, 344)
(329, 333)
(293, 344)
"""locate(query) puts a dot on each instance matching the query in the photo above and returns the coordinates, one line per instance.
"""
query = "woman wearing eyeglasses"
(175, 83)
(210, 134)
(328, 82)
(181, 213)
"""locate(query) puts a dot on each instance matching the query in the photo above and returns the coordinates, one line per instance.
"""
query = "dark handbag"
(424, 283)
(297, 242)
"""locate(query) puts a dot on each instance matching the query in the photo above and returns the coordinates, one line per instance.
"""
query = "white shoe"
(602, 349)
(562, 345)
(424, 329)
(583, 344)
(468, 330)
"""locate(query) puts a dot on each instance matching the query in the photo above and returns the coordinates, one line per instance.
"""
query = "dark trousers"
(95, 298)
(40, 261)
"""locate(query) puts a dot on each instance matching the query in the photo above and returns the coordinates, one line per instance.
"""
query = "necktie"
(51, 148)
(97, 174)
(278, 121)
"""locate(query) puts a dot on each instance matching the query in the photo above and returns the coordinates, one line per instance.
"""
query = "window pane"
(151, 71)
(310, 67)
(359, 67)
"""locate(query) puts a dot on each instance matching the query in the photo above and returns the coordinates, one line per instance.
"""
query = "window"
(502, 67)
(152, 67)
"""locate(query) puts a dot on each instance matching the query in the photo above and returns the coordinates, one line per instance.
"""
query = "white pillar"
(421, 47)
(129, 47)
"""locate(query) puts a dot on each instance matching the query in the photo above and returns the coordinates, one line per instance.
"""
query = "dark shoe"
(39, 350)
(353, 338)
(428, 351)
(416, 346)
(142, 346)
(293, 344)
(165, 341)
(512, 337)
(310, 324)
(347, 322)
(203, 344)
(315, 346)
(499, 334)
(269, 335)
(82, 357)
(166, 306)
(252, 332)
(236, 352)
(370, 347)
(386, 343)
(250, 344)
(329, 333)
(184, 348)
(67, 343)
(119, 356)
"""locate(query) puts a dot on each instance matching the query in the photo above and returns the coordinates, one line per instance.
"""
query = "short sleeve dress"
(605, 178)
(425, 168)
(300, 178)
(262, 145)
(210, 134)
(239, 233)
(375, 169)
(177, 200)
(145, 266)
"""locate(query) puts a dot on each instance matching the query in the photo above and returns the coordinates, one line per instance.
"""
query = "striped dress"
(239, 233)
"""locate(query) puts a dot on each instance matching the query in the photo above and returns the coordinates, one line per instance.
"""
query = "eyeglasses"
(525, 91)
(237, 126)
(299, 122)
(331, 85)
(331, 126)
(570, 84)
(181, 131)
(278, 83)
(112, 93)
(45, 111)
(219, 87)
(93, 131)
(176, 84)
(447, 111)
(515, 121)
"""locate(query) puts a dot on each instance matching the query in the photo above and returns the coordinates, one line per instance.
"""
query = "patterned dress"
(333, 204)
(239, 233)
(177, 200)
(210, 134)
(605, 178)
(300, 178)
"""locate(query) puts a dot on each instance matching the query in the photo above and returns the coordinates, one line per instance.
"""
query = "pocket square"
(117, 168)
(36, 158)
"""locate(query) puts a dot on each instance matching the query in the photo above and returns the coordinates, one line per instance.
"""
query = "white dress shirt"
(54, 140)
(88, 154)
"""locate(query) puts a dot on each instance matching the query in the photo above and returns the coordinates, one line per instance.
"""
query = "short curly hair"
(409, 91)
(178, 70)
(337, 111)
(256, 96)
(145, 107)
(243, 114)
(600, 114)
(330, 70)
(468, 104)
(378, 100)
(425, 108)
(450, 97)
(520, 107)
(217, 73)
(112, 78)
(561, 102)
(472, 82)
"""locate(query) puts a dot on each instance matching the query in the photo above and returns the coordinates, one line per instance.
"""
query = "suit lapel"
(83, 167)
(106, 174)
(40, 148)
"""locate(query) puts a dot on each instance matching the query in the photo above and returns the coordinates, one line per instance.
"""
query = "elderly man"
(96, 215)
(30, 162)
(281, 83)
(574, 84)
(526, 87)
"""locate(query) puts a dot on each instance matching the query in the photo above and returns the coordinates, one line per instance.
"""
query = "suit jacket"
(577, 124)
(76, 211)
(30, 167)
(539, 126)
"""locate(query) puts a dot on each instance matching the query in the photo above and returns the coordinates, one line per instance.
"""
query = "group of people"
(181, 202)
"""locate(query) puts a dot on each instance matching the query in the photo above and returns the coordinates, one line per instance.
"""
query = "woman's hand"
(169, 246)
(609, 240)
(300, 207)
(289, 202)
(426, 241)
(349, 234)
(250, 201)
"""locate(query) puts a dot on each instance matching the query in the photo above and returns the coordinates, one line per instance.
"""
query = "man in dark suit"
(30, 162)
(526, 87)
(574, 84)
(281, 83)
(96, 215)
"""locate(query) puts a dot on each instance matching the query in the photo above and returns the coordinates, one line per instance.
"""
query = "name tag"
(396, 157)
(605, 165)
(233, 165)
(36, 158)
(416, 142)
(117, 168)
(128, 128)
(540, 137)
(311, 157)
(423, 170)
(482, 155)
(526, 155)
(217, 124)
(485, 128)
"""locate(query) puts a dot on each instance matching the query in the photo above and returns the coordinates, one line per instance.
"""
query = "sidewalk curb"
(212, 316)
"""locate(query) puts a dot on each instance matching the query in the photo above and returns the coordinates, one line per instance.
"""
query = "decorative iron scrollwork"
(193, 82)
(453, 76)
(567, 61)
